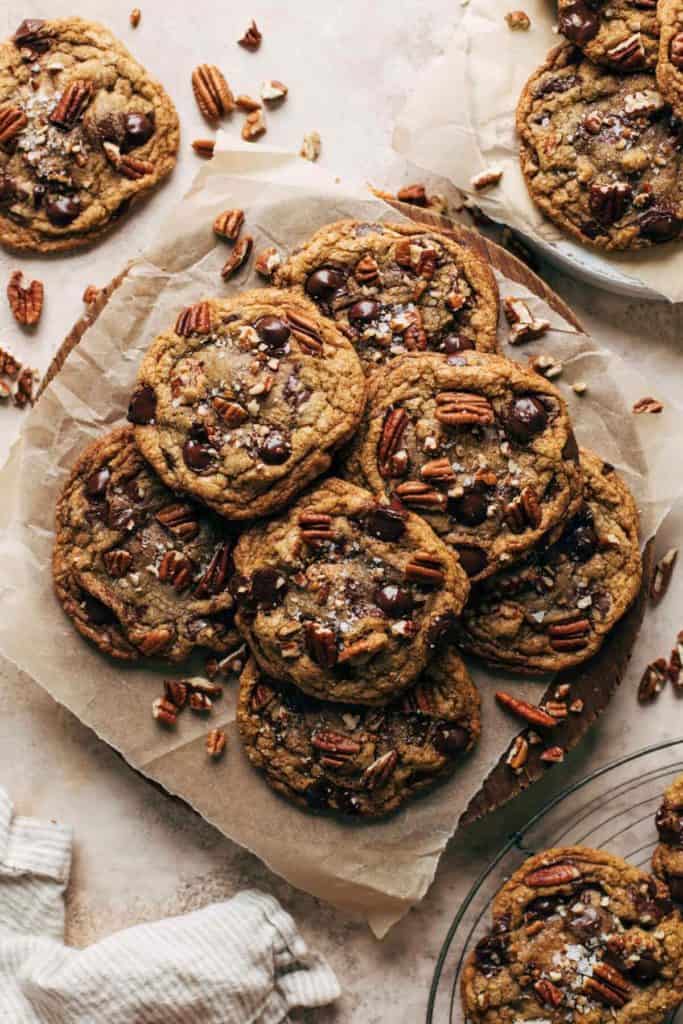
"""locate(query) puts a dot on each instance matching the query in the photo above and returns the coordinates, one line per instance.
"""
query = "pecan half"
(315, 527)
(164, 711)
(229, 224)
(613, 979)
(177, 692)
(72, 104)
(517, 755)
(363, 650)
(306, 333)
(456, 408)
(180, 518)
(215, 743)
(604, 993)
(321, 644)
(215, 577)
(12, 121)
(426, 569)
(416, 494)
(648, 405)
(438, 471)
(553, 874)
(628, 54)
(211, 91)
(548, 993)
(177, 569)
(130, 167)
(380, 771)
(117, 562)
(529, 712)
(569, 636)
(395, 423)
(251, 40)
(336, 743)
(416, 195)
(523, 511)
(232, 413)
(194, 320)
(238, 257)
(26, 303)
(204, 147)
(366, 271)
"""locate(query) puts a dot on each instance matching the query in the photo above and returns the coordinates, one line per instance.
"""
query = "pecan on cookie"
(620, 34)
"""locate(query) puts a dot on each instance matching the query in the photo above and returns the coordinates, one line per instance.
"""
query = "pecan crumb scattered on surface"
(652, 680)
(238, 256)
(273, 91)
(251, 40)
(135, 16)
(648, 404)
(247, 103)
(90, 294)
(486, 179)
(661, 577)
(254, 126)
(267, 262)
(518, 21)
(311, 146)
(523, 325)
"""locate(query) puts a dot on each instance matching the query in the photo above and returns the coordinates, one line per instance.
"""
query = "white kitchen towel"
(238, 962)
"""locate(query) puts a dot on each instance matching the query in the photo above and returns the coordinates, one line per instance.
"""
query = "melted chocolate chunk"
(96, 484)
(449, 739)
(660, 224)
(62, 210)
(275, 449)
(324, 282)
(318, 795)
(143, 405)
(453, 343)
(386, 523)
(268, 588)
(97, 612)
(578, 22)
(272, 331)
(525, 417)
(491, 954)
(364, 311)
(472, 558)
(470, 509)
(196, 455)
(137, 130)
(394, 601)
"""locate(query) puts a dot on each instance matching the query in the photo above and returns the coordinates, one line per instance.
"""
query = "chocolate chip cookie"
(667, 860)
(670, 62)
(138, 570)
(395, 288)
(345, 597)
(601, 153)
(353, 759)
(555, 608)
(242, 402)
(577, 935)
(84, 132)
(620, 34)
(478, 446)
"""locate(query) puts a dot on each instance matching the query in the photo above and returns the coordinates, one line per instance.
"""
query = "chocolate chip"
(394, 601)
(490, 954)
(28, 35)
(676, 887)
(470, 509)
(472, 558)
(268, 588)
(453, 343)
(143, 405)
(570, 451)
(96, 484)
(578, 22)
(7, 188)
(449, 738)
(365, 310)
(62, 210)
(324, 282)
(386, 523)
(138, 129)
(660, 224)
(646, 969)
(347, 802)
(272, 331)
(580, 541)
(318, 795)
(525, 417)
(96, 611)
(196, 455)
(559, 83)
(275, 449)
(540, 908)
(443, 628)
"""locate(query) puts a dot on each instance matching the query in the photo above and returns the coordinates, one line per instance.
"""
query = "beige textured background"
(139, 854)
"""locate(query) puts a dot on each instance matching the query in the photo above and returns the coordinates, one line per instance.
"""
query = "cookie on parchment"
(620, 34)
(670, 61)
(601, 153)
(356, 760)
(396, 288)
(84, 133)
(138, 570)
(344, 597)
(243, 402)
(577, 935)
(667, 860)
(555, 608)
(480, 447)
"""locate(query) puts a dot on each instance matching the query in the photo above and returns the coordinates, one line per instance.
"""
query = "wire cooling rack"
(612, 809)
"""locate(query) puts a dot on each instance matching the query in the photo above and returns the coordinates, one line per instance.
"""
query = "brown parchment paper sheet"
(460, 120)
(379, 870)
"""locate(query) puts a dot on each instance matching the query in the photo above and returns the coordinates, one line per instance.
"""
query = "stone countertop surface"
(141, 855)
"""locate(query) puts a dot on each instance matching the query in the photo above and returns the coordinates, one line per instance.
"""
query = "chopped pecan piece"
(117, 562)
(380, 771)
(395, 423)
(366, 271)
(518, 21)
(569, 636)
(90, 294)
(426, 569)
(247, 103)
(206, 686)
(553, 755)
(273, 91)
(335, 743)
(26, 381)
(311, 146)
(416, 195)
(229, 224)
(251, 40)
(204, 147)
(523, 511)
(12, 121)
(254, 126)
(164, 711)
(416, 494)
(135, 16)
(556, 708)
(628, 54)
(8, 364)
(456, 408)
(232, 413)
(363, 650)
(305, 332)
(548, 993)
(529, 712)
(154, 640)
(517, 755)
(131, 167)
(200, 703)
(676, 51)
(267, 262)
(438, 471)
(180, 518)
(194, 320)
(72, 104)
(215, 743)
(315, 527)
(212, 92)
(30, 35)
(215, 578)
(176, 691)
(553, 874)
(649, 405)
(321, 644)
(238, 257)
(261, 697)
(524, 326)
(662, 575)
(609, 201)
(414, 335)
(177, 569)
(576, 706)
(652, 680)
(26, 303)
(487, 179)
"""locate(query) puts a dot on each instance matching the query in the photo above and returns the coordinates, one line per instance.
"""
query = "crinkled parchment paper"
(381, 869)
(460, 120)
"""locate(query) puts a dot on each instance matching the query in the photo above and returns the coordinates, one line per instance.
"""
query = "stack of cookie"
(455, 511)
(600, 124)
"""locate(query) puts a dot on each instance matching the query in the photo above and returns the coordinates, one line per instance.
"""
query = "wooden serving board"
(596, 680)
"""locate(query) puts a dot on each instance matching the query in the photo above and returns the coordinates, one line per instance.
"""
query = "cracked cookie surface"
(395, 288)
(138, 570)
(577, 934)
(667, 859)
(242, 403)
(344, 597)
(84, 132)
(478, 446)
(670, 62)
(601, 153)
(555, 608)
(620, 34)
(356, 760)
